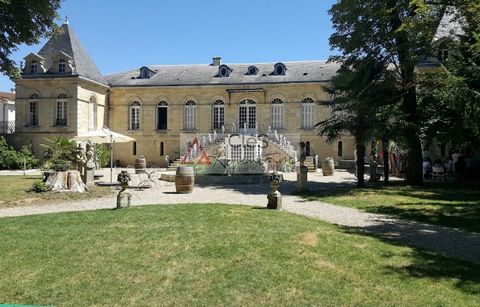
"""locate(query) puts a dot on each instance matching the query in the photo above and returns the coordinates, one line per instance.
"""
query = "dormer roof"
(68, 43)
(451, 25)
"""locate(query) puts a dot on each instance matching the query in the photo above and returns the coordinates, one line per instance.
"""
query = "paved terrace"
(443, 240)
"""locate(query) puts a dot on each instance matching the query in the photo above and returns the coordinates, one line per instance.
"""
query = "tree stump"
(65, 182)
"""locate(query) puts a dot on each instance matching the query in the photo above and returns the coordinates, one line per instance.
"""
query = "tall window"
(189, 115)
(33, 111)
(33, 67)
(134, 114)
(61, 65)
(61, 114)
(92, 113)
(277, 113)
(218, 115)
(307, 113)
(162, 115)
(340, 148)
(247, 114)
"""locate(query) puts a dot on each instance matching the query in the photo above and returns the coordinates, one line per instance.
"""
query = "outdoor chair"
(438, 172)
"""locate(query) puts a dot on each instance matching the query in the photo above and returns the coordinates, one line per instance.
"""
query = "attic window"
(279, 69)
(61, 66)
(33, 67)
(224, 71)
(252, 70)
(145, 73)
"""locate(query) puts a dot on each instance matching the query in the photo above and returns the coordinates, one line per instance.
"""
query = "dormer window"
(145, 73)
(252, 71)
(224, 71)
(279, 69)
(33, 67)
(61, 65)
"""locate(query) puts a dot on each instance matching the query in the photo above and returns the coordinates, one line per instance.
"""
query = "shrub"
(103, 154)
(61, 165)
(39, 187)
(12, 159)
(59, 150)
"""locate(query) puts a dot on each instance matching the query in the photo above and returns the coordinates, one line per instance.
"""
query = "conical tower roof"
(69, 43)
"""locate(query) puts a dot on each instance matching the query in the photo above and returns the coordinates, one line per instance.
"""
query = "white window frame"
(278, 116)
(92, 114)
(308, 113)
(218, 114)
(134, 115)
(33, 110)
(249, 112)
(62, 66)
(189, 115)
(33, 67)
(61, 110)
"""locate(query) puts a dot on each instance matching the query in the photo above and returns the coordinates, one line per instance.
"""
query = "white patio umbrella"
(104, 136)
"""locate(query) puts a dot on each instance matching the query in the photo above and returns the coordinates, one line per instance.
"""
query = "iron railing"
(7, 127)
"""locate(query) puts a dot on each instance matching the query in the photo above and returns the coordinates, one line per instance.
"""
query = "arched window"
(162, 149)
(33, 110)
(252, 70)
(162, 115)
(92, 113)
(134, 115)
(340, 148)
(279, 69)
(308, 113)
(218, 116)
(61, 65)
(189, 115)
(33, 67)
(61, 114)
(277, 113)
(247, 114)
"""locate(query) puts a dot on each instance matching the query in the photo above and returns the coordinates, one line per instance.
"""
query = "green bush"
(12, 159)
(39, 187)
(59, 150)
(103, 154)
(61, 165)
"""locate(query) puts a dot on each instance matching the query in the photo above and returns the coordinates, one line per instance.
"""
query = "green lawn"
(15, 191)
(441, 203)
(208, 255)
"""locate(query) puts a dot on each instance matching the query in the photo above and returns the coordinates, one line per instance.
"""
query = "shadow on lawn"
(424, 264)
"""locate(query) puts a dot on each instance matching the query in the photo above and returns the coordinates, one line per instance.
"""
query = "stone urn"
(123, 198)
(274, 197)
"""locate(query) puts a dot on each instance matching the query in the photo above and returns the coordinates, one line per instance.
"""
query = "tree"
(359, 106)
(398, 32)
(24, 22)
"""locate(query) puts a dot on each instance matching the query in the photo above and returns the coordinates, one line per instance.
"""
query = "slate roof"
(450, 25)
(205, 74)
(68, 43)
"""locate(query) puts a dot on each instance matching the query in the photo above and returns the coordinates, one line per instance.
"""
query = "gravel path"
(446, 241)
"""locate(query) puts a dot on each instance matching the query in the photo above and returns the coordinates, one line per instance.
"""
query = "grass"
(15, 192)
(204, 255)
(441, 203)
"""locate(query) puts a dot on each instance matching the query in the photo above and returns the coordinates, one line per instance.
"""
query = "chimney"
(216, 61)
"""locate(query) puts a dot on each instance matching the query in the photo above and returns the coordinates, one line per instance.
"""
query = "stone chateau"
(164, 107)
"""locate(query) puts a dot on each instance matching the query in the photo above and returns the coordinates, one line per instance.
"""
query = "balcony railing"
(7, 127)
(61, 122)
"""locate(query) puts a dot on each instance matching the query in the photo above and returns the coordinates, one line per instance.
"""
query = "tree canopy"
(24, 22)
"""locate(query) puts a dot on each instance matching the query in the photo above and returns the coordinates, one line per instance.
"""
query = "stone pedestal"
(274, 200)
(87, 175)
(302, 178)
(373, 172)
(124, 200)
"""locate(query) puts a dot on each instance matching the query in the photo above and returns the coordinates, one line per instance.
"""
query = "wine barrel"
(184, 179)
(140, 165)
(328, 167)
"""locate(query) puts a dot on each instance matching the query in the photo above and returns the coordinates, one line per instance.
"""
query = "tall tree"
(398, 32)
(358, 106)
(24, 22)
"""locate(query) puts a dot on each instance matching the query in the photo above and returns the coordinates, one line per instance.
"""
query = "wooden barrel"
(140, 164)
(328, 167)
(184, 179)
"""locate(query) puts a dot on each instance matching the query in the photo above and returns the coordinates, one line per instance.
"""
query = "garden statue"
(123, 198)
(223, 129)
(88, 165)
(302, 170)
(274, 197)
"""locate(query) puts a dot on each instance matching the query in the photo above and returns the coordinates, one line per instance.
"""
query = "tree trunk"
(386, 165)
(414, 159)
(360, 147)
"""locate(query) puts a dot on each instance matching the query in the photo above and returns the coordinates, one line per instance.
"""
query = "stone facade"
(93, 101)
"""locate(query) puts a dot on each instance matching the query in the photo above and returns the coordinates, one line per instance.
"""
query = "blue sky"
(122, 35)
